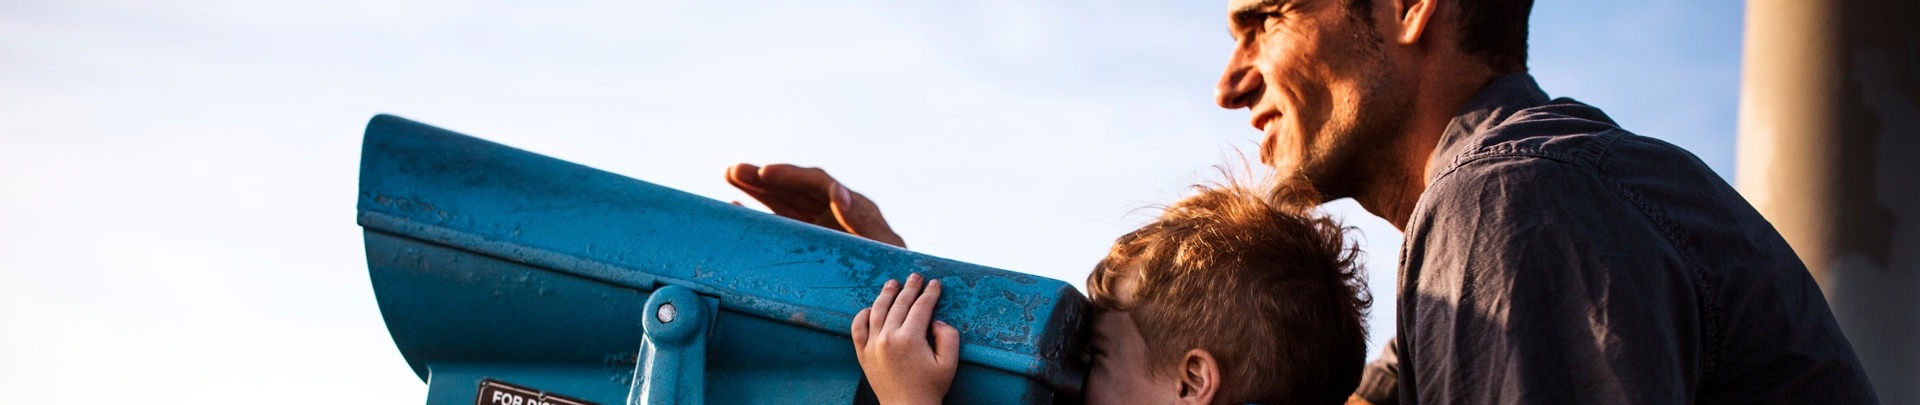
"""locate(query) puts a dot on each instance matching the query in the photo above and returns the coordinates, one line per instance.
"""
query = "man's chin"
(1267, 145)
(1285, 169)
(1294, 185)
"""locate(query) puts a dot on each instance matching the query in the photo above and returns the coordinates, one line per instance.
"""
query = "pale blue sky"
(177, 179)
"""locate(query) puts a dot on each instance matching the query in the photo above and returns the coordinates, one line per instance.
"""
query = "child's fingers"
(922, 311)
(877, 319)
(946, 343)
(860, 330)
(908, 292)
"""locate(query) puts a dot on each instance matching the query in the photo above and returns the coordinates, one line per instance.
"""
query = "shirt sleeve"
(1379, 382)
(1533, 281)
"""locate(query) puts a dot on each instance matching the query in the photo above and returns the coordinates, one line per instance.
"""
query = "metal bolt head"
(667, 313)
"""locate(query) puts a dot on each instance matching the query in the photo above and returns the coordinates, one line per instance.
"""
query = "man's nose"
(1239, 85)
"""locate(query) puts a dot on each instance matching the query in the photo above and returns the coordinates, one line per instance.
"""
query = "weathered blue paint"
(491, 262)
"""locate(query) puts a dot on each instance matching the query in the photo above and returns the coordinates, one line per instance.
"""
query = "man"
(1550, 256)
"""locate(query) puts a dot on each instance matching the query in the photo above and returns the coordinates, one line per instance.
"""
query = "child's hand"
(891, 341)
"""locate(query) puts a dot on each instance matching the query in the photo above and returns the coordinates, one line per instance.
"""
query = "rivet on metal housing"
(666, 313)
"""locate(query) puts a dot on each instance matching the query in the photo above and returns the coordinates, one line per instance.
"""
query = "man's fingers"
(909, 291)
(859, 330)
(860, 216)
(877, 318)
(746, 177)
(807, 190)
(922, 312)
(780, 205)
(810, 180)
(946, 345)
(808, 194)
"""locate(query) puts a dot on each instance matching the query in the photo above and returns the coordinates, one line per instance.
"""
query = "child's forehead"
(1110, 326)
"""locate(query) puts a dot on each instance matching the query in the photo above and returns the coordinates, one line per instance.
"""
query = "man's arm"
(1537, 281)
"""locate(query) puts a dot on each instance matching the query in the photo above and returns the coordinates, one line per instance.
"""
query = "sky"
(177, 179)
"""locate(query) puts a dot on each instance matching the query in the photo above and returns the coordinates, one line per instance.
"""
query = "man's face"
(1120, 371)
(1317, 84)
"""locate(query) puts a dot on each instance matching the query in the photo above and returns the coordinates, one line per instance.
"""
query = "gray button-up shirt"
(1556, 258)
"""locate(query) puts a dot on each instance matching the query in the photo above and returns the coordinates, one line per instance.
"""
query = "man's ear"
(1199, 377)
(1412, 17)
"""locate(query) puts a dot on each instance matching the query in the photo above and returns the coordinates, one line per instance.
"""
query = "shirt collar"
(1502, 97)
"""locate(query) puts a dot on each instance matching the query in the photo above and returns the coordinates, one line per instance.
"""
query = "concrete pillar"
(1829, 151)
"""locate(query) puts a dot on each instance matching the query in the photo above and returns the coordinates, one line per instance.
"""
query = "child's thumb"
(946, 340)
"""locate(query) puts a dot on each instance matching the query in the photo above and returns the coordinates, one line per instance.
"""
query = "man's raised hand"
(809, 195)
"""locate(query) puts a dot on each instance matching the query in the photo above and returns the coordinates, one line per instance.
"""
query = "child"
(1225, 298)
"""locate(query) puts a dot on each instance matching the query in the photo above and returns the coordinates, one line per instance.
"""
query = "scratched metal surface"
(491, 262)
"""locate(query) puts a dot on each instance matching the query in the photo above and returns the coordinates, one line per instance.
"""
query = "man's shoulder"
(1549, 146)
(1566, 164)
(1565, 139)
(1565, 161)
(1562, 130)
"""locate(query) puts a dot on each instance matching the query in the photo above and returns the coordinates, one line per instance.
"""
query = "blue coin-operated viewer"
(507, 277)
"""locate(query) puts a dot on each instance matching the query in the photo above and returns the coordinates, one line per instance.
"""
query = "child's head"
(1231, 294)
